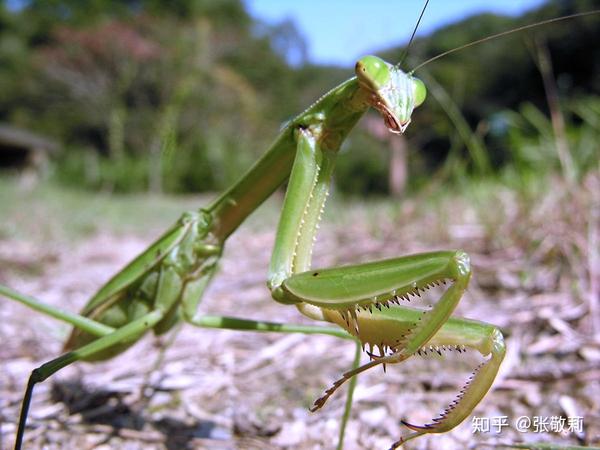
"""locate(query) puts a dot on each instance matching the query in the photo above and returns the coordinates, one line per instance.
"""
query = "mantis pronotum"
(367, 301)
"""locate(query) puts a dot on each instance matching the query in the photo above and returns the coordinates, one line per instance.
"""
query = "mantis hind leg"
(83, 323)
(101, 344)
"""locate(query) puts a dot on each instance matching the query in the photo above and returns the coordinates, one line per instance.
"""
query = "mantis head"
(393, 93)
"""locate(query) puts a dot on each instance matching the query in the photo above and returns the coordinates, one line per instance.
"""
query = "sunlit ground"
(536, 269)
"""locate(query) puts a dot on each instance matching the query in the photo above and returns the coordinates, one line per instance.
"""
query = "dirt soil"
(218, 389)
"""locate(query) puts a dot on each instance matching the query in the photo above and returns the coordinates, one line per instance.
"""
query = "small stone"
(373, 417)
(291, 434)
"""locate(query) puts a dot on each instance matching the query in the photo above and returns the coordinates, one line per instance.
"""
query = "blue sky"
(340, 31)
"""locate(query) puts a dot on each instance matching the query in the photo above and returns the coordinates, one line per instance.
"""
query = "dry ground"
(537, 274)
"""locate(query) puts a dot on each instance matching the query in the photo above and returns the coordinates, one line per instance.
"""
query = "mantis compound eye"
(420, 91)
(372, 71)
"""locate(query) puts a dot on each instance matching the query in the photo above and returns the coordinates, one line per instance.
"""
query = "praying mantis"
(367, 302)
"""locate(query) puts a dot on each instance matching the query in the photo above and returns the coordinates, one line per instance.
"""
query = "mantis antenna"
(412, 36)
(504, 33)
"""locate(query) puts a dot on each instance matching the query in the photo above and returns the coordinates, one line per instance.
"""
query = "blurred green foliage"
(502, 78)
(183, 96)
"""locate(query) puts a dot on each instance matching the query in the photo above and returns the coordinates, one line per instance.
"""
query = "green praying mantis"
(367, 302)
(166, 282)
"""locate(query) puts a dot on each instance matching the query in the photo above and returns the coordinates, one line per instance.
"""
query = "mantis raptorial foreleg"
(348, 295)
(378, 285)
(455, 334)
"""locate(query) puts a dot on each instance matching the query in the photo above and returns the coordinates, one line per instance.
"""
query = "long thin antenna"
(412, 36)
(504, 33)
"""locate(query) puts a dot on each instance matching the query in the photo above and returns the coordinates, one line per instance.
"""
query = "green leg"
(109, 336)
(81, 322)
(233, 323)
(38, 375)
(349, 396)
(146, 391)
(349, 295)
(358, 299)
(191, 297)
(489, 342)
